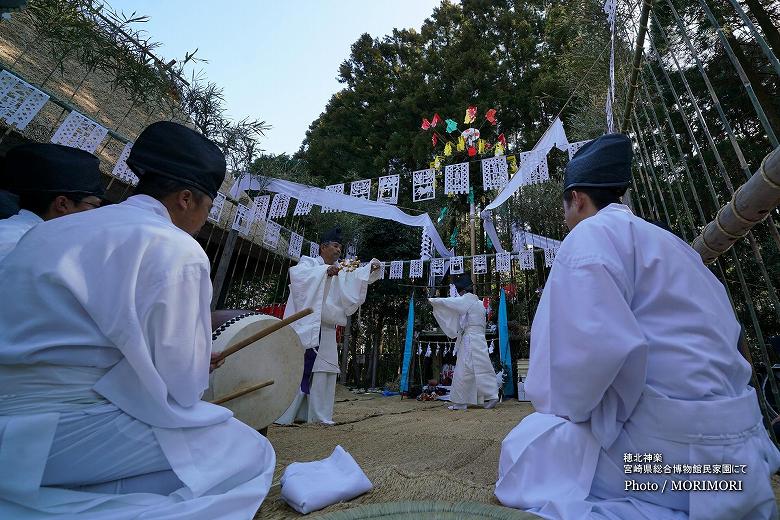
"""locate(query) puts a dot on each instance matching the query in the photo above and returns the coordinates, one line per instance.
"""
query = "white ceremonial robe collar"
(616, 207)
(151, 204)
(27, 217)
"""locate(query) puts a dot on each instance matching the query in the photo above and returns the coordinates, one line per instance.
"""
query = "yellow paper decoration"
(461, 144)
(448, 149)
(499, 149)
(480, 146)
(512, 161)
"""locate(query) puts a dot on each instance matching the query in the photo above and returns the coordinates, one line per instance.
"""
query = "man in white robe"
(463, 317)
(333, 294)
(51, 181)
(105, 348)
(635, 373)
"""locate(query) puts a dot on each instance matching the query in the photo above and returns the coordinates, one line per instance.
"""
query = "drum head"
(277, 357)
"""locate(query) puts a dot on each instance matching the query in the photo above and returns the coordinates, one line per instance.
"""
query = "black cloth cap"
(332, 235)
(51, 168)
(179, 153)
(604, 162)
(464, 282)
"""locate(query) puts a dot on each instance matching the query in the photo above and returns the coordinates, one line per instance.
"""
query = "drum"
(277, 358)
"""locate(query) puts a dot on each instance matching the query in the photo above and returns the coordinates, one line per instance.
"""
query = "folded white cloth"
(310, 486)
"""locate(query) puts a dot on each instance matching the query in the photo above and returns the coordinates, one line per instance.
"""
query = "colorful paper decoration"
(438, 266)
(279, 206)
(502, 140)
(302, 208)
(271, 235)
(416, 269)
(314, 250)
(461, 144)
(396, 270)
(512, 161)
(216, 207)
(503, 262)
(481, 146)
(423, 187)
(472, 151)
(448, 149)
(435, 120)
(471, 135)
(526, 258)
(425, 124)
(296, 244)
(435, 139)
(451, 125)
(499, 149)
(335, 188)
(479, 264)
(123, 172)
(456, 178)
(471, 115)
(491, 116)
(388, 189)
(456, 265)
(360, 189)
(495, 173)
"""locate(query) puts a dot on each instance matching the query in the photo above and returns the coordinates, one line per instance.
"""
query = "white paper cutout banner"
(503, 262)
(456, 178)
(279, 206)
(20, 102)
(479, 264)
(549, 255)
(495, 173)
(241, 219)
(314, 250)
(80, 132)
(123, 172)
(360, 189)
(438, 267)
(271, 234)
(388, 189)
(456, 265)
(396, 270)
(574, 147)
(526, 259)
(423, 185)
(416, 269)
(296, 244)
(260, 208)
(216, 207)
(302, 208)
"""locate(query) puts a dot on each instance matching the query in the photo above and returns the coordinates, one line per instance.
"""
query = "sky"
(277, 61)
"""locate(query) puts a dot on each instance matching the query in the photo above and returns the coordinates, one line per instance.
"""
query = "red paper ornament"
(435, 120)
(502, 140)
(472, 151)
(491, 116)
(425, 124)
(435, 139)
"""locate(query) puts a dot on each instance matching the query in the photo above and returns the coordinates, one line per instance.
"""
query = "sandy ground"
(410, 450)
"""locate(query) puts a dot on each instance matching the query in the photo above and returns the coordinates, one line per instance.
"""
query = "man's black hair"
(40, 202)
(601, 197)
(159, 187)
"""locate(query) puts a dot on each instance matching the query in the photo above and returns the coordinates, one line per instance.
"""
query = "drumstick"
(263, 333)
(243, 391)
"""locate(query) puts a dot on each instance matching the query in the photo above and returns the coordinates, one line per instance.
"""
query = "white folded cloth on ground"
(310, 486)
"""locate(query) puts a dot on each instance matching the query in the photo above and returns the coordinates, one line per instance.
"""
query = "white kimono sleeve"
(448, 312)
(307, 290)
(177, 328)
(347, 293)
(588, 354)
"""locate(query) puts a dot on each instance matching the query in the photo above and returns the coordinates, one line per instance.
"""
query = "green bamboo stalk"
(757, 35)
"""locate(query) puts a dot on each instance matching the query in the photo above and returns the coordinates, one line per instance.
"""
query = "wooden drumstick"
(263, 333)
(243, 391)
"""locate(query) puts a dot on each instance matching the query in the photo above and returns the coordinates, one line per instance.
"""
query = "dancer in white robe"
(463, 317)
(105, 345)
(634, 353)
(51, 181)
(333, 295)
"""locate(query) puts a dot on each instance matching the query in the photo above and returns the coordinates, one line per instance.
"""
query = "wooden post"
(751, 204)
(222, 267)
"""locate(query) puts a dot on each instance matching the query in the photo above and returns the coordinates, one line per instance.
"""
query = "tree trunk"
(771, 34)
(764, 98)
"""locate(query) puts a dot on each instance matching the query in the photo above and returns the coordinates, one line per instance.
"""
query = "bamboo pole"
(751, 204)
(263, 333)
(638, 52)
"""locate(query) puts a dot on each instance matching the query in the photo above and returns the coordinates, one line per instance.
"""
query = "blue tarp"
(408, 347)
(503, 345)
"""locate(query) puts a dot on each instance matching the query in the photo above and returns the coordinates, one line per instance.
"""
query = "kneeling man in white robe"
(105, 349)
(463, 317)
(333, 294)
(644, 408)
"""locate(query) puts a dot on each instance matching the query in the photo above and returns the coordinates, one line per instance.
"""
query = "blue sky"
(276, 61)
